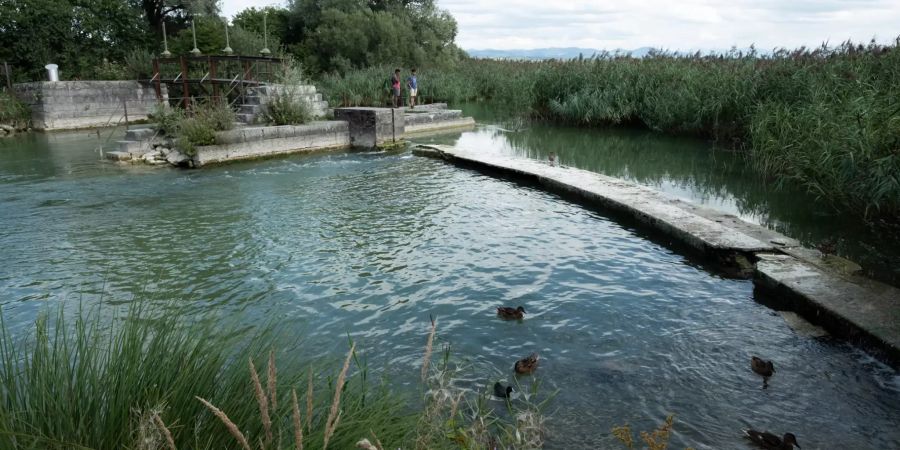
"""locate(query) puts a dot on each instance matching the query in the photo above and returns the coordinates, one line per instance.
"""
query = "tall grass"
(826, 118)
(13, 112)
(90, 379)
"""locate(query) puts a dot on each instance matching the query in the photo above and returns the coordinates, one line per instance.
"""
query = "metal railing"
(199, 76)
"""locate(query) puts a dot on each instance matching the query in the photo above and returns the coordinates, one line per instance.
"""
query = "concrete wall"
(431, 120)
(370, 127)
(258, 142)
(85, 104)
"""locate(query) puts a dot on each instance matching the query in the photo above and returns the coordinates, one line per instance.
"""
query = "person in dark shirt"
(395, 88)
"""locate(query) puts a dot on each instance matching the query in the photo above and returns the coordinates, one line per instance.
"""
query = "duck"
(769, 441)
(552, 158)
(827, 246)
(501, 391)
(762, 367)
(510, 313)
(527, 365)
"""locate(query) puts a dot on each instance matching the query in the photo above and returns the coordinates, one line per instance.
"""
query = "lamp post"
(227, 50)
(195, 51)
(166, 53)
(265, 51)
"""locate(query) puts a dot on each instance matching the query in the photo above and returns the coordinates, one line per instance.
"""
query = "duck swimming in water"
(762, 367)
(769, 441)
(501, 391)
(509, 313)
(527, 365)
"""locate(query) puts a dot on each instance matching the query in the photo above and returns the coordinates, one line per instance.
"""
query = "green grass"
(827, 119)
(13, 112)
(134, 379)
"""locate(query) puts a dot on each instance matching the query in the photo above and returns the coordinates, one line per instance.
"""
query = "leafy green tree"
(176, 12)
(78, 35)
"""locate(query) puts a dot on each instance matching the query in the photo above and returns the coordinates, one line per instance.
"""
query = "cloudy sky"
(675, 25)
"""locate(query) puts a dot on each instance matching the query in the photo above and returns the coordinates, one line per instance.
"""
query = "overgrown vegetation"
(13, 112)
(657, 439)
(196, 127)
(827, 118)
(148, 381)
(287, 105)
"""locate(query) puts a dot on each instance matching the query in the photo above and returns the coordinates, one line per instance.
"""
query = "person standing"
(412, 83)
(395, 88)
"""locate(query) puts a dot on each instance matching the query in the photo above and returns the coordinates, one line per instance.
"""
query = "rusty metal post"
(185, 88)
(8, 78)
(125, 108)
(158, 83)
(212, 77)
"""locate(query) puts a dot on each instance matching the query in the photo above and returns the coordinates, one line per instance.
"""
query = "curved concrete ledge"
(787, 276)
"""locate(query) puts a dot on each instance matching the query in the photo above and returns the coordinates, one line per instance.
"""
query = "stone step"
(137, 134)
(245, 118)
(269, 90)
(252, 100)
(118, 156)
(130, 146)
(250, 109)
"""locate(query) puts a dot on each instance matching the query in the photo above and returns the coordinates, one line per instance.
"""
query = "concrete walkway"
(823, 289)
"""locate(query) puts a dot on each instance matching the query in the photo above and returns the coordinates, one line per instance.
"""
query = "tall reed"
(825, 118)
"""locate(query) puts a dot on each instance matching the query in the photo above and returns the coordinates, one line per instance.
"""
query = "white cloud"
(676, 25)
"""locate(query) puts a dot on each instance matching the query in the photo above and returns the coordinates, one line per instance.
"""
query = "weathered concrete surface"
(258, 142)
(370, 127)
(85, 104)
(427, 120)
(862, 311)
(788, 276)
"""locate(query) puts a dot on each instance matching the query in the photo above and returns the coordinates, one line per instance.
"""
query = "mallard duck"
(827, 246)
(527, 365)
(769, 441)
(762, 367)
(502, 392)
(509, 313)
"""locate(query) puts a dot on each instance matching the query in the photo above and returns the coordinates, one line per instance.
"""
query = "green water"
(373, 244)
(690, 169)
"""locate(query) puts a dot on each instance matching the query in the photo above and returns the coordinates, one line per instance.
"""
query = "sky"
(668, 24)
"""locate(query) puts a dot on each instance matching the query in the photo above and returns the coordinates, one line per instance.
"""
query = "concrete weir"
(786, 275)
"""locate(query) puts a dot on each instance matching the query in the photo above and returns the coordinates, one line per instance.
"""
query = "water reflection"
(691, 170)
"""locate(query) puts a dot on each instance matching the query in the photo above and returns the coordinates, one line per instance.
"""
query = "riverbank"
(821, 119)
(821, 287)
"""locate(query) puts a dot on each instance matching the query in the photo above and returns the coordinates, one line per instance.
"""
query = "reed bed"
(111, 380)
(826, 118)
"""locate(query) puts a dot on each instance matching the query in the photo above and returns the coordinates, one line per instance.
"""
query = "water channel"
(372, 244)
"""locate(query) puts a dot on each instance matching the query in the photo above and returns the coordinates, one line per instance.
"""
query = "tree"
(75, 34)
(175, 11)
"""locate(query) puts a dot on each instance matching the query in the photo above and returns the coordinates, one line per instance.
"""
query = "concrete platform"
(259, 142)
(787, 276)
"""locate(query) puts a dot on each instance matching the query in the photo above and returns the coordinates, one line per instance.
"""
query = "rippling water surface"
(371, 244)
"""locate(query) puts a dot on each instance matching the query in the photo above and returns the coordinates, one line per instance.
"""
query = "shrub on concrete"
(13, 112)
(200, 129)
(286, 106)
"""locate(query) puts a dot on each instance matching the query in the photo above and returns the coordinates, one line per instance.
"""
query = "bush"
(200, 129)
(168, 119)
(287, 106)
(139, 64)
(13, 112)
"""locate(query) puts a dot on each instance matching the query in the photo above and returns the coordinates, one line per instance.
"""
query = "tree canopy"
(89, 37)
